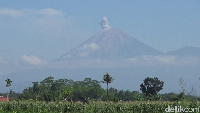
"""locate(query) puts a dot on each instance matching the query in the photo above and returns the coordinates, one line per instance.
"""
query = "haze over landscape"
(134, 40)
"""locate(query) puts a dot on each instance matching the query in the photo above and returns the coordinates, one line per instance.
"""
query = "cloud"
(92, 46)
(132, 59)
(165, 59)
(11, 12)
(152, 60)
(143, 60)
(104, 24)
(83, 54)
(69, 56)
(33, 60)
(31, 23)
(50, 12)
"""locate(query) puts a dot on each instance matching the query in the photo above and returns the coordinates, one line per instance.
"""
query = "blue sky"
(43, 30)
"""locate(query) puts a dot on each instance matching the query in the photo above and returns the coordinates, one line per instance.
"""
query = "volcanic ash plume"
(104, 24)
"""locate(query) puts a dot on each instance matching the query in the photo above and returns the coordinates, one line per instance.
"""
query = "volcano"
(109, 44)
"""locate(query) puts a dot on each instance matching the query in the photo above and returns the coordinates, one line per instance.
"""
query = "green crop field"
(93, 107)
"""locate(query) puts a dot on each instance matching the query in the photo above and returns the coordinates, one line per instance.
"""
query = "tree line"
(66, 89)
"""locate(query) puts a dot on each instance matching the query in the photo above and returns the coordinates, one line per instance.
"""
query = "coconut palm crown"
(107, 78)
(8, 82)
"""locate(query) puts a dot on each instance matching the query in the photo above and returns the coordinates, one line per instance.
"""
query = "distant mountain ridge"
(186, 51)
(109, 44)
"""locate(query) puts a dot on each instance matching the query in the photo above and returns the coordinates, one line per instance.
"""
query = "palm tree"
(8, 83)
(107, 79)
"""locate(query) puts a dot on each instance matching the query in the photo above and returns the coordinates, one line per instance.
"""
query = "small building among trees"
(3, 99)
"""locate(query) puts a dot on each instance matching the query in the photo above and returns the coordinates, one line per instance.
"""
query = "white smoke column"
(104, 23)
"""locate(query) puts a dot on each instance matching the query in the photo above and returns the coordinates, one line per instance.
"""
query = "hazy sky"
(43, 30)
(35, 32)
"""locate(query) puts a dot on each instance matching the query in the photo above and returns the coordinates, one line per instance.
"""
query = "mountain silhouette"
(186, 51)
(109, 44)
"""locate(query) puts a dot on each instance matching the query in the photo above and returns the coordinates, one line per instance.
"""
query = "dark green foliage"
(116, 99)
(56, 90)
(151, 86)
(13, 95)
(179, 97)
(66, 89)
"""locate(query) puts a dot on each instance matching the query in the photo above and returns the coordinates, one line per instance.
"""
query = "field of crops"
(92, 107)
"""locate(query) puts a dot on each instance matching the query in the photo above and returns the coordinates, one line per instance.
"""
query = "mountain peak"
(109, 44)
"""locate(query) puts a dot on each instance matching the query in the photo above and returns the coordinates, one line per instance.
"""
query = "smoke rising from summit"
(104, 23)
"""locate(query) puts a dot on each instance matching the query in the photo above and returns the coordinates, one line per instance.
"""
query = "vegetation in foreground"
(66, 95)
(94, 107)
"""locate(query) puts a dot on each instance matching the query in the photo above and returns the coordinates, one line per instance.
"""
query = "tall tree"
(107, 79)
(8, 83)
(151, 86)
